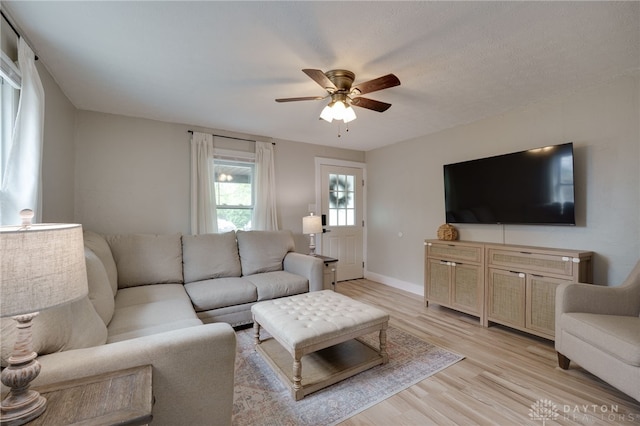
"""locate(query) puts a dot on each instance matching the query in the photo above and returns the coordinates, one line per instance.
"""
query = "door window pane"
(341, 200)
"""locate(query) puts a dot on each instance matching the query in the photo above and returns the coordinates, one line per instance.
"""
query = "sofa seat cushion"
(272, 285)
(263, 251)
(147, 259)
(220, 292)
(146, 310)
(616, 335)
(209, 256)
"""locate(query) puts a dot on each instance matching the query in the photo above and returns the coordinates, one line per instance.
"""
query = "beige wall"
(132, 175)
(405, 190)
(58, 152)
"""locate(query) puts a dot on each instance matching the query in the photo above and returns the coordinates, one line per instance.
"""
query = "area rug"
(262, 399)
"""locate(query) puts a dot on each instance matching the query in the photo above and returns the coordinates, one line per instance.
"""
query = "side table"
(330, 272)
(121, 397)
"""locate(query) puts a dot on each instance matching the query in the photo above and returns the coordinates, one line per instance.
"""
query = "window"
(234, 187)
(9, 97)
(342, 209)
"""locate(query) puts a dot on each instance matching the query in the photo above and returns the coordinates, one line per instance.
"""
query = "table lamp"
(42, 266)
(312, 225)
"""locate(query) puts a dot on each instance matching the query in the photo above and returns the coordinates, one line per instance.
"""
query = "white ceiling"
(220, 65)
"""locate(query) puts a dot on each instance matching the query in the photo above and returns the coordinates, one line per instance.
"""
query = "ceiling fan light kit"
(338, 110)
(338, 84)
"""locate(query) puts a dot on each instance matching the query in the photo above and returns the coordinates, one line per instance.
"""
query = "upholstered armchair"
(599, 328)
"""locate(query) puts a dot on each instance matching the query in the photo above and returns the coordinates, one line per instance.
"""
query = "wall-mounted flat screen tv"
(534, 187)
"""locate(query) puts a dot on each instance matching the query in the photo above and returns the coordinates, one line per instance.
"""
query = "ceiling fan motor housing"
(342, 79)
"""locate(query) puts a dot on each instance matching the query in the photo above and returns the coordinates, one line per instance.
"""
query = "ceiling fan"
(339, 86)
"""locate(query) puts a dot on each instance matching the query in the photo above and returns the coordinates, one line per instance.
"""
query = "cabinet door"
(541, 303)
(507, 292)
(438, 281)
(467, 294)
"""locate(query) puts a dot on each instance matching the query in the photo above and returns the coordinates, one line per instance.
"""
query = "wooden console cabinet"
(522, 282)
(454, 276)
(503, 284)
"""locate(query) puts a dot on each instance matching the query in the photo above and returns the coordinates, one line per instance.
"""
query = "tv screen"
(533, 187)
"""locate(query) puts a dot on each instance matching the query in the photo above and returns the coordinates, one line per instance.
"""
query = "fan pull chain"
(346, 129)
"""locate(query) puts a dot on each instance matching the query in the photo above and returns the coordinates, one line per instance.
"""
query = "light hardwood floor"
(503, 374)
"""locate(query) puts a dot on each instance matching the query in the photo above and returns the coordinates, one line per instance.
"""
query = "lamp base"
(18, 411)
(312, 245)
(21, 404)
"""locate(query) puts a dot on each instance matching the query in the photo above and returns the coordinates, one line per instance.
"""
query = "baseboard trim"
(395, 283)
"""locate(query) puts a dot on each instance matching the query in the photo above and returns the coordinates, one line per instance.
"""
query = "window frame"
(241, 159)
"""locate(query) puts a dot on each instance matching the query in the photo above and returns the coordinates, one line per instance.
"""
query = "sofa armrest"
(193, 371)
(307, 266)
(594, 299)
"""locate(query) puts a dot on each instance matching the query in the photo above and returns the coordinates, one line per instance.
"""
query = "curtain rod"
(231, 137)
(14, 29)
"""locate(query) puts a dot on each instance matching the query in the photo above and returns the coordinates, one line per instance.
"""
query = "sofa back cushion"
(144, 259)
(209, 256)
(263, 251)
(75, 325)
(100, 293)
(98, 245)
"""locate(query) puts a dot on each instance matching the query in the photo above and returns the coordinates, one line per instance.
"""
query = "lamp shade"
(42, 266)
(312, 225)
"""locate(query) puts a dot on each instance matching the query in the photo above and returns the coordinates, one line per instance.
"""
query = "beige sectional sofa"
(169, 301)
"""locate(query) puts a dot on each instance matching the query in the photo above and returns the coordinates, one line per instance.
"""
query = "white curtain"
(264, 212)
(203, 198)
(21, 168)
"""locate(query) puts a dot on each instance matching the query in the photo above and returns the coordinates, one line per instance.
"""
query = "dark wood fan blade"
(376, 84)
(306, 98)
(320, 78)
(370, 104)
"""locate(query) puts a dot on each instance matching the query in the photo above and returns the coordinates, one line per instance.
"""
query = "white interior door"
(342, 204)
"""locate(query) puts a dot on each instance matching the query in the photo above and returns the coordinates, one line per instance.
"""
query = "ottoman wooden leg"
(298, 392)
(256, 333)
(383, 343)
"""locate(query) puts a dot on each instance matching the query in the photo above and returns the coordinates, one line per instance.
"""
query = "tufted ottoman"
(319, 328)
